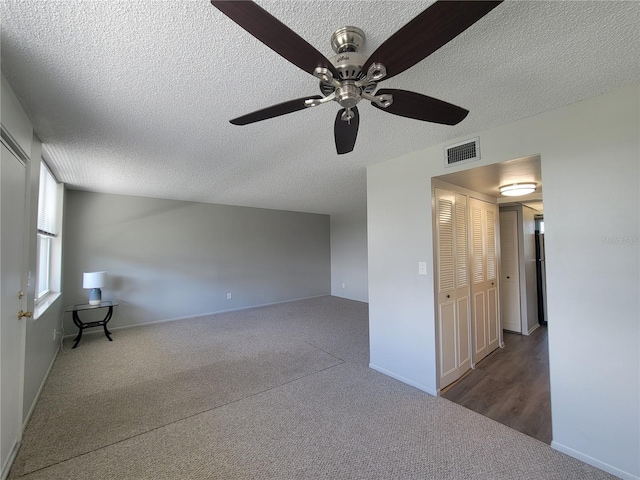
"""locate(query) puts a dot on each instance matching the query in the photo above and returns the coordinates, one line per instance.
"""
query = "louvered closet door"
(484, 284)
(452, 272)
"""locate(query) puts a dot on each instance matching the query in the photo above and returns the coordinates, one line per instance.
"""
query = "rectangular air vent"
(463, 152)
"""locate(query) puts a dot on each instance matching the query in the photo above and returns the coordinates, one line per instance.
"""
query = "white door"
(484, 281)
(452, 273)
(12, 250)
(510, 272)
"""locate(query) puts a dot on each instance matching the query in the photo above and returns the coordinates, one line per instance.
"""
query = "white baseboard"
(9, 463)
(532, 329)
(346, 297)
(96, 330)
(37, 397)
(419, 386)
(594, 462)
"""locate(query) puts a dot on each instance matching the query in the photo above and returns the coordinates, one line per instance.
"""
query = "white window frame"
(48, 243)
(43, 272)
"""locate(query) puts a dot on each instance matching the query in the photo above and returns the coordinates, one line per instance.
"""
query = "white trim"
(37, 397)
(592, 461)
(187, 317)
(14, 146)
(532, 329)
(404, 380)
(43, 304)
(12, 456)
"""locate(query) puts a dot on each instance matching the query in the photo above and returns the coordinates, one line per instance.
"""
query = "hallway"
(511, 386)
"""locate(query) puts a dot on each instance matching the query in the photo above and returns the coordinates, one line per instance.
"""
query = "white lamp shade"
(94, 279)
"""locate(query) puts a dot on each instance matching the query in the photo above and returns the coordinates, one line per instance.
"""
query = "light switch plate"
(422, 268)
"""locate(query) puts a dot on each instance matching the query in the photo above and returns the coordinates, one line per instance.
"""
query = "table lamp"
(94, 281)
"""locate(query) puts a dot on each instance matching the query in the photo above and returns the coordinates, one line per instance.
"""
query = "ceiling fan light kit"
(349, 77)
(518, 189)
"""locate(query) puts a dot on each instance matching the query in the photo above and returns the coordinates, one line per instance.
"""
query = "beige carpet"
(278, 392)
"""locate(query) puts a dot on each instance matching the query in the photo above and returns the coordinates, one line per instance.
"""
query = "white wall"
(401, 302)
(168, 259)
(14, 119)
(591, 178)
(349, 256)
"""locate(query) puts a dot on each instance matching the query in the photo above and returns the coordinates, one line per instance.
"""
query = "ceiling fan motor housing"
(346, 42)
(349, 65)
(347, 39)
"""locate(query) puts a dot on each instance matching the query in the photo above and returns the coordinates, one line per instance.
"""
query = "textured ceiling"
(134, 97)
(489, 178)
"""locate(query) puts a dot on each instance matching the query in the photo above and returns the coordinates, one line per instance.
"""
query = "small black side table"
(101, 323)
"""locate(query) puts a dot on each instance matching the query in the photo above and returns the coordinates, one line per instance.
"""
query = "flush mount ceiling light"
(517, 189)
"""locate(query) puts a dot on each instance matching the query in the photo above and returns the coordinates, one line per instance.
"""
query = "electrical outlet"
(343, 285)
(55, 334)
(228, 296)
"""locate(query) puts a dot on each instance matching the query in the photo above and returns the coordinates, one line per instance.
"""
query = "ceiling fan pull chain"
(347, 115)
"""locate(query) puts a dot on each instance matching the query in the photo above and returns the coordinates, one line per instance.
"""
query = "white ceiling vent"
(463, 152)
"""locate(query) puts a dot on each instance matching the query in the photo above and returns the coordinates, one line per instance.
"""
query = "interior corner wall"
(169, 259)
(349, 256)
(591, 178)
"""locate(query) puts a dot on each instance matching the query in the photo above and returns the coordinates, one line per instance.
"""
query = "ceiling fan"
(349, 77)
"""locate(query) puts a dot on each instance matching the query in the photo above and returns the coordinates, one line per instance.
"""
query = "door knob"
(22, 314)
(508, 276)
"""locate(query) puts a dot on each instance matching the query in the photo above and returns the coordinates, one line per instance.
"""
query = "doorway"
(511, 385)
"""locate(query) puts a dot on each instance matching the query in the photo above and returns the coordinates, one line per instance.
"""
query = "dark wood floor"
(511, 386)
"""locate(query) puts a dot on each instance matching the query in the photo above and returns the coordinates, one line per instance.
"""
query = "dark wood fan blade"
(440, 23)
(420, 107)
(274, 34)
(346, 132)
(273, 111)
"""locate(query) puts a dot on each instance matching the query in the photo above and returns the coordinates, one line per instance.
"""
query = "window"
(47, 230)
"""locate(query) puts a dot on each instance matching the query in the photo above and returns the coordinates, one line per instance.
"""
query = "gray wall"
(349, 256)
(590, 175)
(170, 259)
(40, 347)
